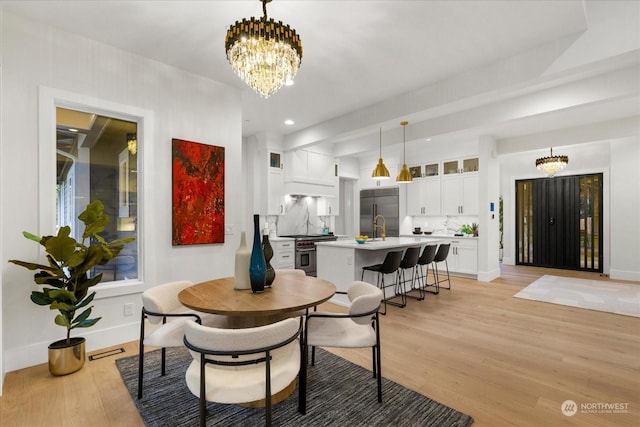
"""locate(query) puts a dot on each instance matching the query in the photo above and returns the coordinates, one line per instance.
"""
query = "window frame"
(49, 100)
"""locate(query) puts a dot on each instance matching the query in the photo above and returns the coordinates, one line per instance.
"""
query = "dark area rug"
(339, 393)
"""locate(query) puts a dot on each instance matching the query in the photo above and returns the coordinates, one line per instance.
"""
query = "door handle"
(552, 220)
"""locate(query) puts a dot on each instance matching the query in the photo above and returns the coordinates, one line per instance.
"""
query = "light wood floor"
(503, 360)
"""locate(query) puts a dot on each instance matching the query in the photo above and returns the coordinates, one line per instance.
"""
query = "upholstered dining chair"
(358, 328)
(294, 271)
(166, 316)
(242, 365)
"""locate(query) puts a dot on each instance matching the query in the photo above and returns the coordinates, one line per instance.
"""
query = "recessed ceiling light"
(289, 122)
(428, 139)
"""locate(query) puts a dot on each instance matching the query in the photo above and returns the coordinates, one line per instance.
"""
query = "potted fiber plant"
(66, 281)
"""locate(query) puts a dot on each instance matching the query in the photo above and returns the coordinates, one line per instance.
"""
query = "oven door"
(306, 260)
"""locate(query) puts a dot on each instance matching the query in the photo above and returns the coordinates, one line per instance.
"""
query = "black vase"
(258, 265)
(268, 254)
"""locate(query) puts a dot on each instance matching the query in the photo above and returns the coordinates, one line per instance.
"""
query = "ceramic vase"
(243, 258)
(257, 266)
(268, 254)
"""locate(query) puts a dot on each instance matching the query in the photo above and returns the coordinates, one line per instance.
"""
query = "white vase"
(243, 257)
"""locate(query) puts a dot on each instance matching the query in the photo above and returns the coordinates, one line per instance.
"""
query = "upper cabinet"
(460, 187)
(423, 194)
(310, 167)
(458, 166)
(275, 183)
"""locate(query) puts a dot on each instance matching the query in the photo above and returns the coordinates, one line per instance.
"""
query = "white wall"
(182, 106)
(624, 227)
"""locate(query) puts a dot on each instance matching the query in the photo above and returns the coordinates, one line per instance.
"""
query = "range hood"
(298, 189)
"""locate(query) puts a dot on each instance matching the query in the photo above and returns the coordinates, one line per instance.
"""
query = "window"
(96, 159)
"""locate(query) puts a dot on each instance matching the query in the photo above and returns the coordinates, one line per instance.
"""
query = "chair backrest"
(364, 298)
(410, 258)
(443, 251)
(391, 262)
(292, 271)
(163, 298)
(221, 343)
(428, 254)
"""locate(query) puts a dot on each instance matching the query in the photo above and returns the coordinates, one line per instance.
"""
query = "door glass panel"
(96, 159)
(524, 222)
(589, 222)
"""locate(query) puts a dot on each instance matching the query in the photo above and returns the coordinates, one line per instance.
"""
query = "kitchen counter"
(341, 262)
(443, 236)
(379, 244)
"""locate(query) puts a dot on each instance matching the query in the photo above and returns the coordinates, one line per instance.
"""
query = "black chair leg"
(141, 357)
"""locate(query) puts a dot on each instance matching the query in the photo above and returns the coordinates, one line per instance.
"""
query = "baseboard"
(624, 275)
(36, 353)
(487, 276)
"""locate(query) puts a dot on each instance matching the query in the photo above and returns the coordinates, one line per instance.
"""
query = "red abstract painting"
(198, 193)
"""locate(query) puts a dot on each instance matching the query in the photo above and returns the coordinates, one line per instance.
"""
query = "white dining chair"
(242, 365)
(358, 328)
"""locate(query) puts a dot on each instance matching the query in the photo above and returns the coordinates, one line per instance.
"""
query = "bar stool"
(409, 262)
(390, 265)
(441, 256)
(426, 260)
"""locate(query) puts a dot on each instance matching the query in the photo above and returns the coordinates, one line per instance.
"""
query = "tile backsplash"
(442, 224)
(300, 218)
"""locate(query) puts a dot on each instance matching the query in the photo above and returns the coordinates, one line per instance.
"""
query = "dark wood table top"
(288, 294)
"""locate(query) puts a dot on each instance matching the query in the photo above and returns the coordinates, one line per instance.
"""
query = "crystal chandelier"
(265, 54)
(552, 164)
(380, 171)
(404, 175)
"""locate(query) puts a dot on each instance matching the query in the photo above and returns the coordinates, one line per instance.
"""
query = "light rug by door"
(600, 295)
(339, 393)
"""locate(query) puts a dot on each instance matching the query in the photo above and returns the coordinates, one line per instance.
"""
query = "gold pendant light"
(265, 54)
(404, 175)
(380, 171)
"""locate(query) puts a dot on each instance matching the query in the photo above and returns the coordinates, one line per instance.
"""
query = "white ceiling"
(357, 53)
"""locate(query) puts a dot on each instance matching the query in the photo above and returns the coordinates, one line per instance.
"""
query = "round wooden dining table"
(288, 296)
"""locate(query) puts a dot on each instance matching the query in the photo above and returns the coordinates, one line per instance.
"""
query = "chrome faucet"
(384, 228)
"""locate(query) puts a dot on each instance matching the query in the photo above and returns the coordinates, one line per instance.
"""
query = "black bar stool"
(390, 265)
(441, 256)
(409, 262)
(422, 269)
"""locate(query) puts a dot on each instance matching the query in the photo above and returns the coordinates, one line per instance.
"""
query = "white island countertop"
(379, 244)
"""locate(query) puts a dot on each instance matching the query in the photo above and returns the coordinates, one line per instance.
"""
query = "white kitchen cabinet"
(423, 197)
(275, 193)
(310, 167)
(328, 206)
(460, 194)
(463, 256)
(283, 253)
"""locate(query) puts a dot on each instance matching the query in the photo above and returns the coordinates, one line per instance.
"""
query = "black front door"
(559, 222)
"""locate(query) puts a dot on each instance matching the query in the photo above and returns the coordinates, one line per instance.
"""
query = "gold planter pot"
(66, 358)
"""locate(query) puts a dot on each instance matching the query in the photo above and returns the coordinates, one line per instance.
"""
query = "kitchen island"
(341, 262)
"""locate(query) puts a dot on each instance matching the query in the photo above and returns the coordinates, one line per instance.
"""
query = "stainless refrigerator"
(380, 201)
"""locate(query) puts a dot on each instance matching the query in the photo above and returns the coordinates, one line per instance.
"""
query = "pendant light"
(264, 53)
(380, 171)
(552, 164)
(404, 175)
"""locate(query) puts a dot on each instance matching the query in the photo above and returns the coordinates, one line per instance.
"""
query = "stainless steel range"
(306, 250)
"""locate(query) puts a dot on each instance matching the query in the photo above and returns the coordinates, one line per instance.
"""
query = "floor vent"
(106, 354)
